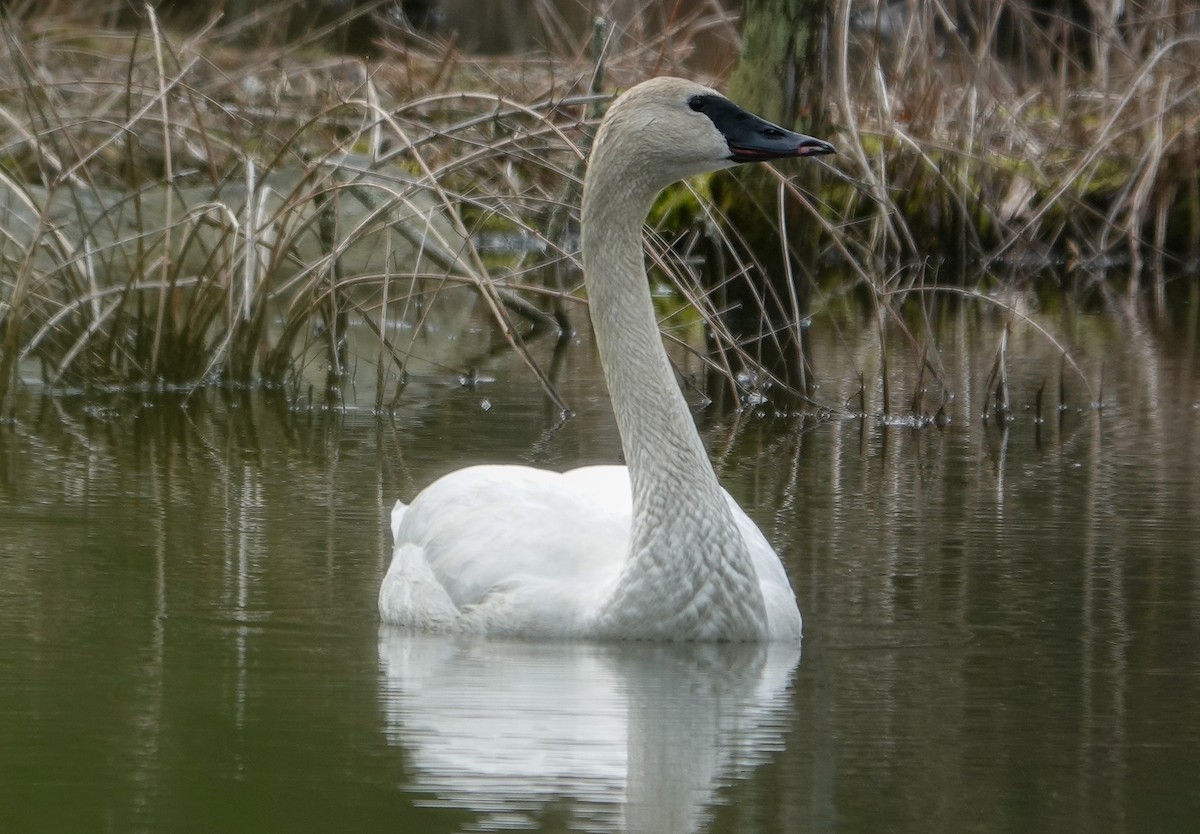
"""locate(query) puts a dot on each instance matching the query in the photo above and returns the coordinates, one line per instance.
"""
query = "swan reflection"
(622, 737)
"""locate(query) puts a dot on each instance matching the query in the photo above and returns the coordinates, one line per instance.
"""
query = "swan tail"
(397, 517)
(411, 594)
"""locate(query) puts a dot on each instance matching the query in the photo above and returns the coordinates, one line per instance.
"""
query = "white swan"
(656, 550)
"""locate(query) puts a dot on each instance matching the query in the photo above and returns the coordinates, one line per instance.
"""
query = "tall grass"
(1007, 137)
(231, 203)
(176, 215)
(1008, 155)
(182, 210)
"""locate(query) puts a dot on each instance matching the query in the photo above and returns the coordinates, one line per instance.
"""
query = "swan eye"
(696, 103)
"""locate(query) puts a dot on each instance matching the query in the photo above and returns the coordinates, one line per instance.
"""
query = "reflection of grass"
(140, 247)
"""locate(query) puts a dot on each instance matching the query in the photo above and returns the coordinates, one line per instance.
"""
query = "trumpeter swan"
(656, 550)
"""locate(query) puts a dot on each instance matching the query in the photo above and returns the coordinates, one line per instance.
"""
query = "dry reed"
(183, 209)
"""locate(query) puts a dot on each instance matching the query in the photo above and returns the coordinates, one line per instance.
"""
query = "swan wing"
(509, 549)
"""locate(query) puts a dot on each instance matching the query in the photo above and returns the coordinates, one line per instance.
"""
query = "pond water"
(1002, 621)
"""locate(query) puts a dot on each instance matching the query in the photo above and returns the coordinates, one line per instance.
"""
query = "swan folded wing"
(518, 549)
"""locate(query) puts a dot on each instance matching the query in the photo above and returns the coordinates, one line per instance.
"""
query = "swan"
(655, 550)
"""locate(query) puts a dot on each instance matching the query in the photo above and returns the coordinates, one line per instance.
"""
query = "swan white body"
(656, 550)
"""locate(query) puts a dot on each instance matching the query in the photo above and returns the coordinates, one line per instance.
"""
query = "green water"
(1002, 627)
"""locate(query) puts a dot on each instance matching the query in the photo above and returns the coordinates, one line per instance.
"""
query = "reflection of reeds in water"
(180, 210)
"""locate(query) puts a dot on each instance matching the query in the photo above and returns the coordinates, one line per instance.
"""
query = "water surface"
(1001, 620)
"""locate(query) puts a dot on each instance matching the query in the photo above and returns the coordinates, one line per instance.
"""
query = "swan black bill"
(753, 139)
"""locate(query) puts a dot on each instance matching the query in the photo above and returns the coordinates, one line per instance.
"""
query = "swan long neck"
(688, 572)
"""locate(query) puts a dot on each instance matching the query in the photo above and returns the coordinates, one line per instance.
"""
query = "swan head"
(666, 129)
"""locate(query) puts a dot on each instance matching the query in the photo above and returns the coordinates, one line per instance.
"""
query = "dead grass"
(991, 153)
(994, 156)
(219, 205)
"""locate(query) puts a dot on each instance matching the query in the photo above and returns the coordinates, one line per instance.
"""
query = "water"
(1001, 624)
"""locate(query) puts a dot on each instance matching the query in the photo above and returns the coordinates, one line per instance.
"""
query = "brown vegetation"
(998, 146)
